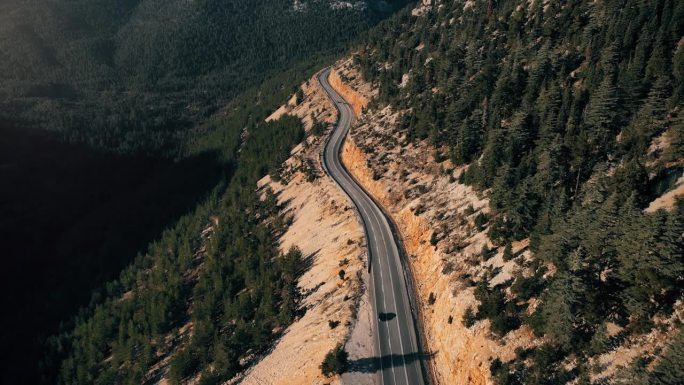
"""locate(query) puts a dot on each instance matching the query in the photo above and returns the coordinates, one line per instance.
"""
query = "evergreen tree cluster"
(554, 106)
(151, 98)
(136, 75)
(232, 285)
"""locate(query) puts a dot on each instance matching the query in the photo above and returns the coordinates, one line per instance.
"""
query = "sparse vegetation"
(487, 252)
(481, 220)
(553, 108)
(434, 239)
(335, 362)
(469, 317)
(508, 252)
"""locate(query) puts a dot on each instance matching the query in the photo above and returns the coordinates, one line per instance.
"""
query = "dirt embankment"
(314, 106)
(326, 229)
(339, 79)
(435, 216)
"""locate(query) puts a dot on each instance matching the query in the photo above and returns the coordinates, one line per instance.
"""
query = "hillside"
(138, 75)
(117, 120)
(519, 147)
(529, 154)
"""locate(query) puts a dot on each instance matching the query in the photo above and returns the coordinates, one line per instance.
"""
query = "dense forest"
(216, 271)
(121, 123)
(136, 75)
(557, 108)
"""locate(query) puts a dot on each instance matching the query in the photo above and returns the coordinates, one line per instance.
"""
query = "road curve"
(399, 359)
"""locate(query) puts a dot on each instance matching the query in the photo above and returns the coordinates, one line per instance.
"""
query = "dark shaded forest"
(136, 75)
(71, 217)
(233, 285)
(555, 106)
(121, 122)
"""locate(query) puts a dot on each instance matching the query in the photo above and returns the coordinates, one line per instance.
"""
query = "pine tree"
(559, 310)
(601, 116)
(670, 368)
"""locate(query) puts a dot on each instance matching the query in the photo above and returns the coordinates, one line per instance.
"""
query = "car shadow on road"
(374, 364)
(386, 316)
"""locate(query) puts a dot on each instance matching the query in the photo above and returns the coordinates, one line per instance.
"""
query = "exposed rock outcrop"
(354, 97)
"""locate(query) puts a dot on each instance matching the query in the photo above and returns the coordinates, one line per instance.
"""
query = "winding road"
(399, 358)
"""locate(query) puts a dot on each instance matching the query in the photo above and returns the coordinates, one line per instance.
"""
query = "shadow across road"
(374, 364)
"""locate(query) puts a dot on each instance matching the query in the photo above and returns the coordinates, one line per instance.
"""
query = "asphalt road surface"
(399, 360)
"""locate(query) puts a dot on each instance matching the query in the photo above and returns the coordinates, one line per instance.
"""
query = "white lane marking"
(352, 187)
(384, 303)
(375, 221)
(394, 298)
(361, 207)
(335, 141)
(337, 136)
(407, 305)
(377, 327)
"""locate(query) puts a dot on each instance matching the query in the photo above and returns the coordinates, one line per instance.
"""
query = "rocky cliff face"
(352, 96)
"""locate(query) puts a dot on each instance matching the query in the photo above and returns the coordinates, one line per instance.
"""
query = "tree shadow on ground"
(374, 364)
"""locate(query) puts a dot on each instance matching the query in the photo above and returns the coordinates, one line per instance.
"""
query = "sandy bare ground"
(326, 229)
(668, 200)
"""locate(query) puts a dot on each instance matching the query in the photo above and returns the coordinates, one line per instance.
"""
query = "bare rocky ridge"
(429, 207)
(419, 194)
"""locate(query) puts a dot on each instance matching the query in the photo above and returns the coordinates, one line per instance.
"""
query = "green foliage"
(242, 292)
(481, 220)
(553, 107)
(536, 121)
(670, 368)
(183, 364)
(140, 75)
(469, 317)
(335, 361)
(486, 252)
(526, 288)
(494, 306)
(508, 253)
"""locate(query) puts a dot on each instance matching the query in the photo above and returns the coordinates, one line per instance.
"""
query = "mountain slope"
(152, 98)
(567, 117)
(135, 75)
